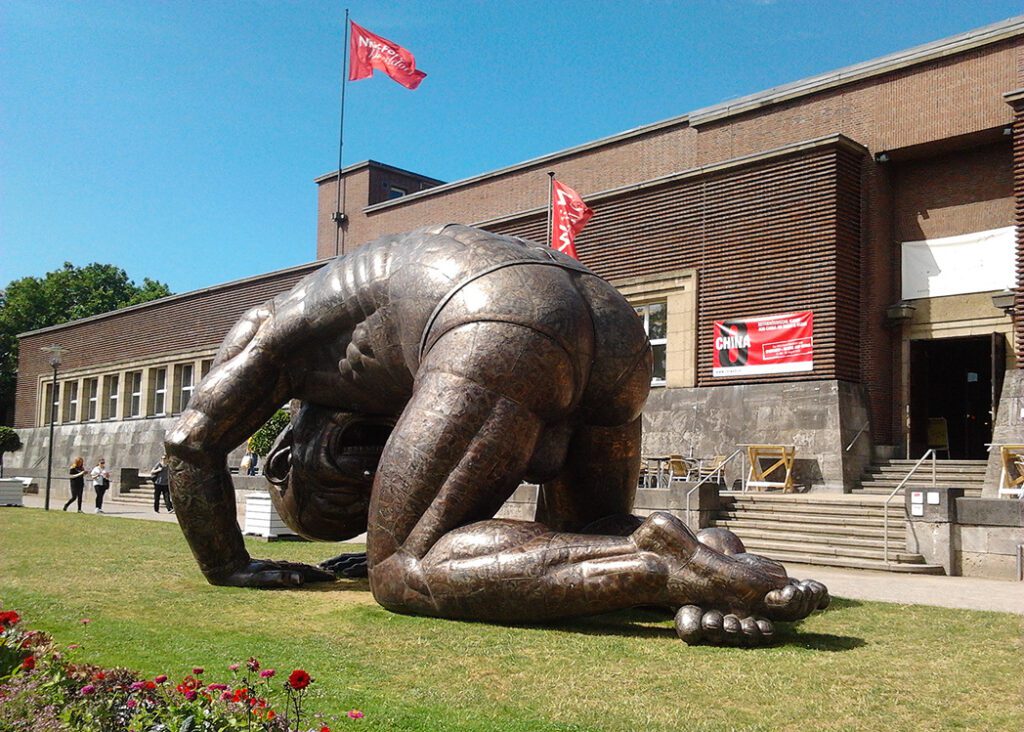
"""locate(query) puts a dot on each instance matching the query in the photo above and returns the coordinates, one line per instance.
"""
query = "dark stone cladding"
(188, 322)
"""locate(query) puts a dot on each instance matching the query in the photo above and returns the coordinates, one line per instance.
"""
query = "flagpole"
(551, 193)
(339, 213)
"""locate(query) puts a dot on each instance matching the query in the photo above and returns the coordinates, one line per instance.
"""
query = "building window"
(655, 317)
(133, 390)
(70, 401)
(159, 377)
(110, 384)
(395, 192)
(204, 367)
(185, 378)
(91, 389)
(49, 403)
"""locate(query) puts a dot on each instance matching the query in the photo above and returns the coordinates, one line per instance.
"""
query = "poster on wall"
(772, 344)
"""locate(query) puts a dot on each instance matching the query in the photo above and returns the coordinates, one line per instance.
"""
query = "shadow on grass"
(819, 641)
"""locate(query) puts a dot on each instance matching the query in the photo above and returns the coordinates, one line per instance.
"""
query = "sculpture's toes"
(796, 600)
(348, 566)
(694, 626)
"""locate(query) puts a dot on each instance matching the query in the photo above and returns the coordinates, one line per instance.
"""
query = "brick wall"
(188, 322)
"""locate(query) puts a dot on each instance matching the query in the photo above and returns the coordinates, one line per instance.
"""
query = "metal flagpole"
(551, 193)
(339, 213)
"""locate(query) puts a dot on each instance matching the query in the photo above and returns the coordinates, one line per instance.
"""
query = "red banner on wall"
(773, 344)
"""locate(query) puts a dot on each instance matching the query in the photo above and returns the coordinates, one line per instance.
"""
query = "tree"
(9, 442)
(68, 293)
(261, 442)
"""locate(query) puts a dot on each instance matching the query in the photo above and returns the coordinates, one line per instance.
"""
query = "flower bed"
(43, 689)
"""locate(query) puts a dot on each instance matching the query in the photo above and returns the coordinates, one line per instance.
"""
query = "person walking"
(162, 485)
(77, 475)
(100, 482)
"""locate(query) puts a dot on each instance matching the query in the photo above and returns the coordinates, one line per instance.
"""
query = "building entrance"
(954, 389)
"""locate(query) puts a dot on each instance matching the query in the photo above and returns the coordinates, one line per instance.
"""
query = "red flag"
(369, 51)
(569, 214)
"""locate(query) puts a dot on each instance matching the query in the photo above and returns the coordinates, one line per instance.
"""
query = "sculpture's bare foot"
(695, 625)
(269, 573)
(347, 566)
(731, 598)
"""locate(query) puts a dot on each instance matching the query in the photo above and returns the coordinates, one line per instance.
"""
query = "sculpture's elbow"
(187, 439)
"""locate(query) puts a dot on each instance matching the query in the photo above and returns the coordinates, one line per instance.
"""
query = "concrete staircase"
(143, 496)
(830, 529)
(880, 478)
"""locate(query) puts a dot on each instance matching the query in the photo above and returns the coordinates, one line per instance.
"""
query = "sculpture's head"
(321, 469)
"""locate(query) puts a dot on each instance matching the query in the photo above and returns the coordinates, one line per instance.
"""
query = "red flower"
(325, 728)
(160, 678)
(271, 714)
(99, 676)
(8, 618)
(29, 663)
(198, 670)
(298, 679)
(355, 714)
(150, 685)
(240, 694)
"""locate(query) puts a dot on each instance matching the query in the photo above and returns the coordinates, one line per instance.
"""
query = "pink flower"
(267, 673)
(85, 621)
(138, 686)
(217, 687)
(131, 703)
(191, 694)
(161, 678)
(233, 667)
(197, 670)
(87, 689)
(226, 696)
(253, 664)
(73, 646)
(355, 714)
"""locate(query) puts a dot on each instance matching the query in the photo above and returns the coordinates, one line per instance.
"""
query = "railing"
(857, 436)
(706, 478)
(897, 489)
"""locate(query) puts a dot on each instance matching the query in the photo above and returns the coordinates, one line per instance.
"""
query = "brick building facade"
(804, 197)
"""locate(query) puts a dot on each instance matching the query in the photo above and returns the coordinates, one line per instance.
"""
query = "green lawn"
(859, 665)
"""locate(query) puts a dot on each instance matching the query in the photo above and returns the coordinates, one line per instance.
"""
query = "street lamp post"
(55, 354)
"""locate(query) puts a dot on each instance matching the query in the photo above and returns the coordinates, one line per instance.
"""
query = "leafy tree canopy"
(9, 441)
(261, 442)
(68, 293)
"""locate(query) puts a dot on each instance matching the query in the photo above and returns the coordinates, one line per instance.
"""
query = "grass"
(859, 665)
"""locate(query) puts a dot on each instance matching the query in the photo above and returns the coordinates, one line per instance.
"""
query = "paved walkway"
(969, 593)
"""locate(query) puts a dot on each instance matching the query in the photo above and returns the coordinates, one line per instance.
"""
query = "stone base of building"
(135, 443)
(1009, 427)
(820, 418)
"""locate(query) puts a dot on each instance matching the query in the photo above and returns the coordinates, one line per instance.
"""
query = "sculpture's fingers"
(732, 630)
(784, 604)
(820, 593)
(352, 565)
(767, 629)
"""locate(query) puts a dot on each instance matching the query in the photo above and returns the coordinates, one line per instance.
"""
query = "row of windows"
(156, 391)
(144, 392)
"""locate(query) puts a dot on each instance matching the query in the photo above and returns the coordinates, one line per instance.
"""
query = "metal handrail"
(897, 489)
(857, 436)
(706, 478)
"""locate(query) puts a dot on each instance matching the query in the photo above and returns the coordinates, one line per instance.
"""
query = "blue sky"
(180, 140)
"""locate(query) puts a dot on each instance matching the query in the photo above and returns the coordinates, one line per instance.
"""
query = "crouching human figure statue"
(430, 374)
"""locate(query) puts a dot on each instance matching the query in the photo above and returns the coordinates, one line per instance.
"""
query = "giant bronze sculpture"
(430, 374)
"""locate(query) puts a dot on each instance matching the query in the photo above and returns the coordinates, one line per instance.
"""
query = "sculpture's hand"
(796, 600)
(269, 573)
(349, 565)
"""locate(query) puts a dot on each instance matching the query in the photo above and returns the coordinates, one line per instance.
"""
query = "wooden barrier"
(783, 455)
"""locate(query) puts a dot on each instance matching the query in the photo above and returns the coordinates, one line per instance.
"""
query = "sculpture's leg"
(458, 452)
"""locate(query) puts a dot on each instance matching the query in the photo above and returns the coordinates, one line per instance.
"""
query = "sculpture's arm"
(242, 391)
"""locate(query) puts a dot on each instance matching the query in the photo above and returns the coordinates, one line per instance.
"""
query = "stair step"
(799, 519)
(833, 540)
(798, 558)
(769, 547)
(876, 512)
(785, 528)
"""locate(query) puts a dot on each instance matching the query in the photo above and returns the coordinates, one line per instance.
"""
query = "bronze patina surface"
(430, 374)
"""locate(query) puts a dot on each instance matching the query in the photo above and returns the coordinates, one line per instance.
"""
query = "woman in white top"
(101, 482)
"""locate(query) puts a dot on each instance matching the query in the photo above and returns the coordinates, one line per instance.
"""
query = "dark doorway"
(951, 396)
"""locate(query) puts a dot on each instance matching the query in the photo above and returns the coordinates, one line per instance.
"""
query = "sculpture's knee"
(399, 584)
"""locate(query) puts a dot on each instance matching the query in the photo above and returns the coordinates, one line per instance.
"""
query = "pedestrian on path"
(77, 475)
(161, 485)
(100, 482)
